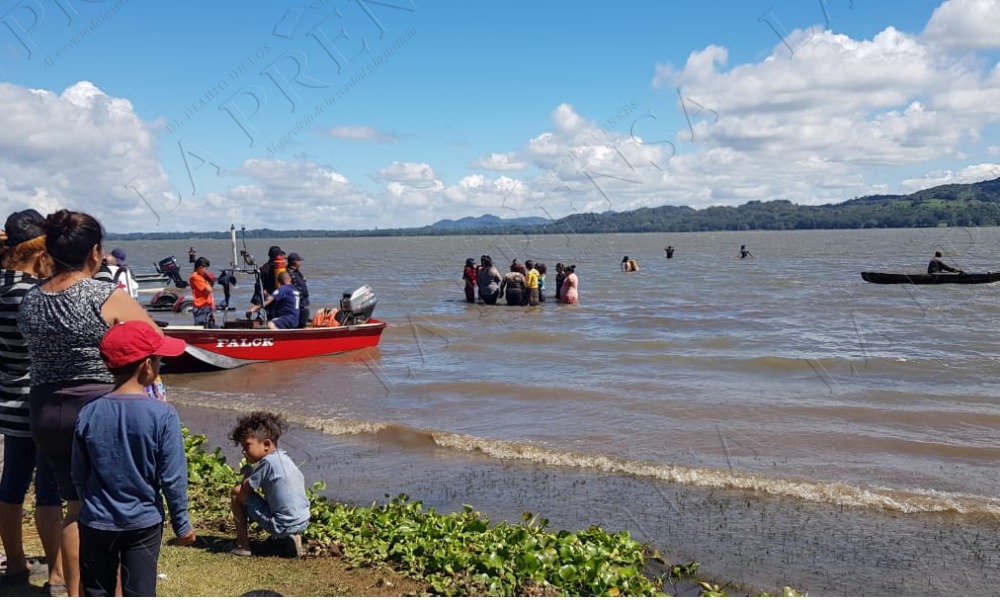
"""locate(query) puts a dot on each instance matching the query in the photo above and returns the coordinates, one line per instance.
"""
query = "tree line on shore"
(954, 205)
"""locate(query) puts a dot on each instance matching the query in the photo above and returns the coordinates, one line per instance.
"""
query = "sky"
(362, 114)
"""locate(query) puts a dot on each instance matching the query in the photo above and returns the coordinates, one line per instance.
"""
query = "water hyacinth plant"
(462, 553)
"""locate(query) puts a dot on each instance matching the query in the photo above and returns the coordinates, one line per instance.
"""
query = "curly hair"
(259, 424)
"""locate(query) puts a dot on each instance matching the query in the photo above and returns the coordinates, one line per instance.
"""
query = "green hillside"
(954, 205)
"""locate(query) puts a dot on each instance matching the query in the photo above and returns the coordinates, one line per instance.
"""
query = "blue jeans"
(202, 314)
(18, 467)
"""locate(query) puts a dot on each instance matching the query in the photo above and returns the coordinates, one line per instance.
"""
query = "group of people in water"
(523, 285)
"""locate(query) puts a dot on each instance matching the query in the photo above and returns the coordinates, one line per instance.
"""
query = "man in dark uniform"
(268, 280)
(299, 282)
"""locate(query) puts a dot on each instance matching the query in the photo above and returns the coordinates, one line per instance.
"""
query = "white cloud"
(408, 173)
(358, 132)
(80, 149)
(970, 174)
(497, 161)
(965, 25)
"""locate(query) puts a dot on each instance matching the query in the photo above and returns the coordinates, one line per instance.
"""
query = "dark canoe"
(937, 278)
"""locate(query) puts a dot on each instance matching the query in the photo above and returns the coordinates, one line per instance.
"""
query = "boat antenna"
(232, 239)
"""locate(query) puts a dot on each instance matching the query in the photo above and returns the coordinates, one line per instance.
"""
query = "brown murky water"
(774, 418)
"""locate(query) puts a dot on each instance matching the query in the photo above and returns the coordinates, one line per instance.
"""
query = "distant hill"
(953, 205)
(488, 221)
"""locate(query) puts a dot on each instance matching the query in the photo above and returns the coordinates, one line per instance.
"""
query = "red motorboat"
(243, 341)
(237, 344)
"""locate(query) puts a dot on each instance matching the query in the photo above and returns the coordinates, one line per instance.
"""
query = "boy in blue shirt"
(283, 511)
(127, 449)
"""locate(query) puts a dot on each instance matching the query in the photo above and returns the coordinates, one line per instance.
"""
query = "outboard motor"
(357, 306)
(169, 267)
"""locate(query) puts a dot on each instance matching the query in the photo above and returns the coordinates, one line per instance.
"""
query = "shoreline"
(759, 541)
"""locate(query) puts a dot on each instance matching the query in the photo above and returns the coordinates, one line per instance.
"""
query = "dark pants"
(54, 408)
(136, 551)
(303, 317)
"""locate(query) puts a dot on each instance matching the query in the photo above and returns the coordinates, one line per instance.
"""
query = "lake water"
(775, 418)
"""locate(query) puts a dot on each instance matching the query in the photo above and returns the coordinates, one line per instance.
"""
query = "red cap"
(132, 341)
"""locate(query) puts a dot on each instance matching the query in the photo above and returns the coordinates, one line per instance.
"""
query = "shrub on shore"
(456, 554)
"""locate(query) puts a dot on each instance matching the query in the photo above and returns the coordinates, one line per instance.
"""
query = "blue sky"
(344, 114)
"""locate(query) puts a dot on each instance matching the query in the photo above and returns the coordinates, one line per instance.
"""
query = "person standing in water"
(744, 253)
(670, 251)
(570, 293)
(469, 275)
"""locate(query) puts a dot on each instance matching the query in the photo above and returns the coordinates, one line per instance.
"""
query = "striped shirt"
(64, 330)
(15, 382)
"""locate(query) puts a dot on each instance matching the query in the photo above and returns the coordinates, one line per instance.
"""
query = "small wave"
(837, 493)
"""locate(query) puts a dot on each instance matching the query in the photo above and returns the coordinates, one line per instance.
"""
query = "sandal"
(240, 552)
(56, 590)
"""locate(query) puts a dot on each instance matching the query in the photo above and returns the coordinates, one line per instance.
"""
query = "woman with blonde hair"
(63, 320)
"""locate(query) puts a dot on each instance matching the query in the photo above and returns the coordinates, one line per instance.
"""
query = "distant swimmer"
(670, 251)
(937, 266)
(629, 265)
(744, 253)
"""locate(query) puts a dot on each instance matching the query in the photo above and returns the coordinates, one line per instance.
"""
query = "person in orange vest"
(201, 293)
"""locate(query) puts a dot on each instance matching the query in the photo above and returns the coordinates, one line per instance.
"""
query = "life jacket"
(325, 317)
(280, 266)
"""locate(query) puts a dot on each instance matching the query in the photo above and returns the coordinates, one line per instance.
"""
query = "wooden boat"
(241, 342)
(238, 344)
(924, 279)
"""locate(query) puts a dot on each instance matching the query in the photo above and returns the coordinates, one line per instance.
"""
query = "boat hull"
(231, 347)
(936, 279)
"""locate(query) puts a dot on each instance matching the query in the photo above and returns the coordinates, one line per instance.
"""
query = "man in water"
(744, 253)
(937, 265)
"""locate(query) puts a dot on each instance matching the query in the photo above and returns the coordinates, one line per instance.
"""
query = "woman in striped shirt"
(24, 261)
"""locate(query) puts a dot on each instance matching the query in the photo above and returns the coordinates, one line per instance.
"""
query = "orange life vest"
(325, 317)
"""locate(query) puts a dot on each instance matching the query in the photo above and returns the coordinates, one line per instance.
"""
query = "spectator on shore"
(24, 263)
(127, 450)
(63, 320)
(283, 509)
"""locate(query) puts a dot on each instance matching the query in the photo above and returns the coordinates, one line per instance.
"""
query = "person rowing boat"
(937, 265)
